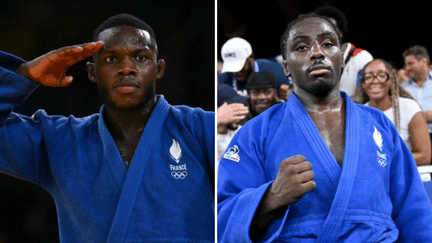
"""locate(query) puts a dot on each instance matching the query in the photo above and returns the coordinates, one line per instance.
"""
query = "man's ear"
(160, 68)
(286, 69)
(91, 71)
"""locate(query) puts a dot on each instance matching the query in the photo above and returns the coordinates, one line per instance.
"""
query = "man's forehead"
(310, 26)
(125, 33)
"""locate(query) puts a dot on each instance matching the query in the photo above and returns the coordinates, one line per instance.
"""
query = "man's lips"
(126, 86)
(126, 89)
(318, 70)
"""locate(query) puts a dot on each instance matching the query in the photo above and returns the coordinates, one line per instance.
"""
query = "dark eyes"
(301, 48)
(111, 59)
(139, 58)
(304, 47)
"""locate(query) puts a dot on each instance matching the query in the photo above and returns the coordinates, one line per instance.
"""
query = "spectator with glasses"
(382, 90)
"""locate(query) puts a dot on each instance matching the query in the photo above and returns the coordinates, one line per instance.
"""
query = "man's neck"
(421, 79)
(123, 122)
(312, 103)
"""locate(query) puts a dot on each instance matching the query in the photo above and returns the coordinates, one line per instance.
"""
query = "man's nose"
(127, 67)
(316, 51)
(261, 96)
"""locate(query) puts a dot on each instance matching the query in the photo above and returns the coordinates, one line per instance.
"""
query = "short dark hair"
(301, 17)
(418, 51)
(123, 19)
(333, 12)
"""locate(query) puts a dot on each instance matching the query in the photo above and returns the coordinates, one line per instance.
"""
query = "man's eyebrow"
(113, 50)
(300, 37)
(327, 33)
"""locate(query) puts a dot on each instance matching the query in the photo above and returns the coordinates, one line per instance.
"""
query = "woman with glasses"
(382, 90)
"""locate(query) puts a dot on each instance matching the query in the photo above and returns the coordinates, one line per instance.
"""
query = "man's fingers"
(308, 186)
(73, 54)
(306, 176)
(66, 81)
(84, 51)
(91, 48)
(303, 166)
(294, 159)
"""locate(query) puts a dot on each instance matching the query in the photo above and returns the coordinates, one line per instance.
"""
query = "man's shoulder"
(368, 113)
(268, 119)
(268, 64)
(225, 78)
(79, 121)
(194, 118)
(184, 110)
(58, 125)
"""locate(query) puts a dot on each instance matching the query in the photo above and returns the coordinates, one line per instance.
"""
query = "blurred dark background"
(384, 28)
(30, 28)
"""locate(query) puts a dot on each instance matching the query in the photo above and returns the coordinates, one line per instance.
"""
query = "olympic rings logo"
(179, 174)
(382, 162)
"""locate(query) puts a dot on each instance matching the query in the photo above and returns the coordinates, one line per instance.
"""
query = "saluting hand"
(50, 69)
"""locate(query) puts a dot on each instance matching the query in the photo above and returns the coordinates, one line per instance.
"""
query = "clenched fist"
(293, 181)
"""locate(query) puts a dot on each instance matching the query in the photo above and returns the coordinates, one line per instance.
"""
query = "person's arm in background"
(421, 144)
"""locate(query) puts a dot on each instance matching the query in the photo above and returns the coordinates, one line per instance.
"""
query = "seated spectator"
(419, 85)
(239, 63)
(383, 91)
(262, 90)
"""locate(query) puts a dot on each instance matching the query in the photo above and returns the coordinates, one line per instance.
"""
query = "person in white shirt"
(382, 90)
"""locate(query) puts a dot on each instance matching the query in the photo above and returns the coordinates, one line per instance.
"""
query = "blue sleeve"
(21, 136)
(206, 127)
(210, 139)
(201, 124)
(225, 78)
(242, 183)
(412, 210)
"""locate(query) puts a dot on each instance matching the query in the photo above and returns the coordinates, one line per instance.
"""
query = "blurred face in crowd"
(375, 81)
(262, 99)
(415, 68)
(242, 75)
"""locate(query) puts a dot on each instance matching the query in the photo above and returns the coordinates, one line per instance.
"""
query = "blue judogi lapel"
(111, 153)
(341, 179)
(316, 142)
(130, 180)
(342, 198)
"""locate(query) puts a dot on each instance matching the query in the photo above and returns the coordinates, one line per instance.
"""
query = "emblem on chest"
(381, 157)
(178, 171)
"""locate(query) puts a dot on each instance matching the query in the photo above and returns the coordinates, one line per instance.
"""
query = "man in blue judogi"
(319, 168)
(141, 170)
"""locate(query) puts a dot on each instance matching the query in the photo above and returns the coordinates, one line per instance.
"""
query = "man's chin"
(124, 106)
(322, 89)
